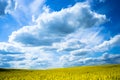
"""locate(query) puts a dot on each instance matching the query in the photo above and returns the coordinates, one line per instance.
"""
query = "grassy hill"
(105, 72)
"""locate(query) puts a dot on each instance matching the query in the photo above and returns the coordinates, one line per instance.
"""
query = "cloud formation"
(53, 27)
(68, 37)
(107, 45)
(106, 58)
(85, 56)
(6, 6)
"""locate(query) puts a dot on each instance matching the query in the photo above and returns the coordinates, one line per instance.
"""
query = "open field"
(106, 72)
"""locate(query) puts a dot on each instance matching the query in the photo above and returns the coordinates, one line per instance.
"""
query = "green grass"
(105, 72)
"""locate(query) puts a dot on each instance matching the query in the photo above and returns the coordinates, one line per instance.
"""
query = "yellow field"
(108, 72)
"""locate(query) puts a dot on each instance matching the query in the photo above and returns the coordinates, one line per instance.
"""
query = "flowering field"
(107, 72)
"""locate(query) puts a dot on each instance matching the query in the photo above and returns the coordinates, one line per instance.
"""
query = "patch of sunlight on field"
(108, 72)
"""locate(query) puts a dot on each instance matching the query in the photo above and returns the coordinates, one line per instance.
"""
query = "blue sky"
(40, 34)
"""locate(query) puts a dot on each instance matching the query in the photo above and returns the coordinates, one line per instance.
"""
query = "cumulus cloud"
(25, 11)
(80, 52)
(107, 45)
(15, 56)
(45, 42)
(102, 47)
(53, 27)
(8, 46)
(82, 56)
(104, 59)
(56, 39)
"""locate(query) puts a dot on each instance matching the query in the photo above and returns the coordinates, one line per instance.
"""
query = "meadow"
(104, 72)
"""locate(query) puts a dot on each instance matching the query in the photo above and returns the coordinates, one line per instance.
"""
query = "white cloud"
(80, 40)
(82, 55)
(6, 6)
(14, 56)
(9, 48)
(25, 9)
(54, 32)
(36, 5)
(102, 47)
(56, 39)
(11, 6)
(81, 52)
(104, 59)
(53, 27)
(107, 45)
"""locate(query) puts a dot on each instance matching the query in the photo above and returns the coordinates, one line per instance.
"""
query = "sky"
(42, 34)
